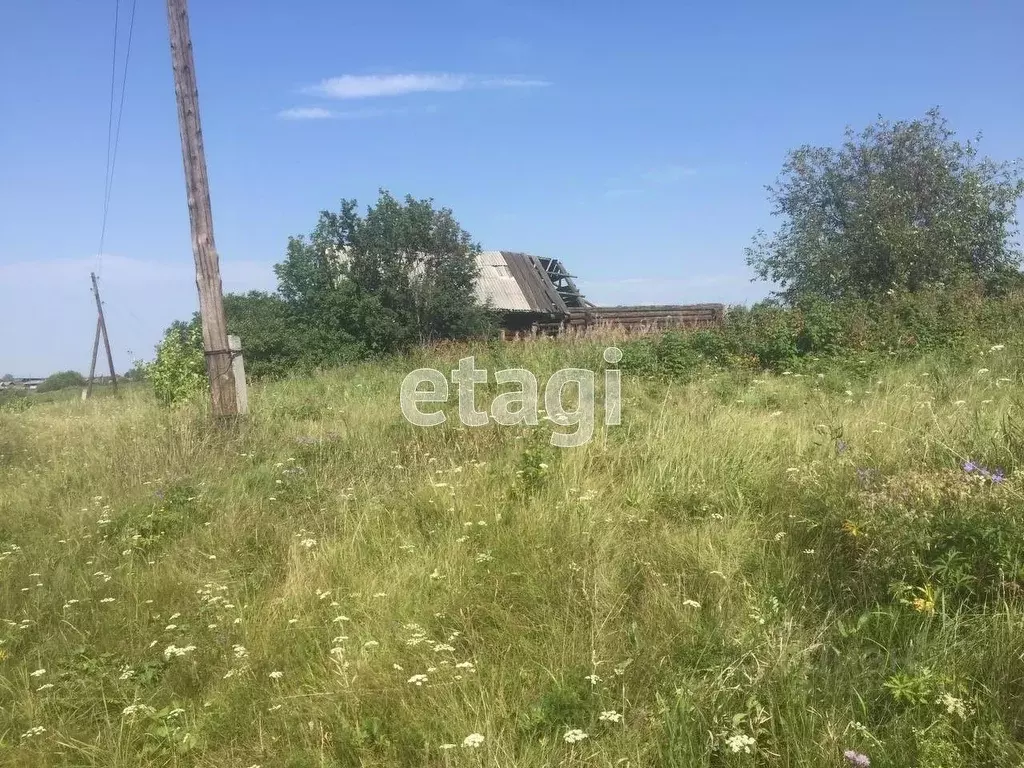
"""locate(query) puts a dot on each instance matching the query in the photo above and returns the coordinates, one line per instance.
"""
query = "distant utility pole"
(211, 300)
(101, 329)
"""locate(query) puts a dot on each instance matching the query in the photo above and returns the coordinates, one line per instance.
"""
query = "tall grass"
(739, 574)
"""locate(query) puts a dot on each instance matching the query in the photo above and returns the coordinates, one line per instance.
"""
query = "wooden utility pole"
(101, 329)
(92, 366)
(211, 299)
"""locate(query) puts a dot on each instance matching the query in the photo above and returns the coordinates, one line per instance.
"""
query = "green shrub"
(62, 380)
(676, 356)
(179, 371)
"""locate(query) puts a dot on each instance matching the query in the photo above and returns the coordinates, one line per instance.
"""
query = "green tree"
(402, 274)
(61, 380)
(137, 372)
(900, 206)
(358, 286)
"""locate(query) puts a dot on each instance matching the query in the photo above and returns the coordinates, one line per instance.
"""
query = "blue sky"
(631, 140)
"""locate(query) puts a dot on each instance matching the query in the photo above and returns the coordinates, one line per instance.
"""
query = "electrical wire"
(114, 129)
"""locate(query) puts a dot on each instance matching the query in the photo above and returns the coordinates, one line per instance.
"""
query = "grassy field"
(752, 570)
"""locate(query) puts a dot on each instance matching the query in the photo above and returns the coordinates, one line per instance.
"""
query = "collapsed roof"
(519, 282)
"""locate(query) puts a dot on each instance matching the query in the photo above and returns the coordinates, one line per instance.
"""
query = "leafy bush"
(273, 344)
(676, 356)
(179, 371)
(819, 335)
(62, 380)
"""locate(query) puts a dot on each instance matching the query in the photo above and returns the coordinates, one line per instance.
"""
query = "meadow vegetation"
(755, 568)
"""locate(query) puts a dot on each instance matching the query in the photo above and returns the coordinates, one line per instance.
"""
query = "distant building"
(22, 383)
(537, 294)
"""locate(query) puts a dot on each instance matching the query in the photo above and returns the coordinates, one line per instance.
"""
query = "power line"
(110, 133)
(114, 130)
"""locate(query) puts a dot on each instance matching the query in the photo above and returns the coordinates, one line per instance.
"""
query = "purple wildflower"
(997, 476)
(857, 759)
(841, 446)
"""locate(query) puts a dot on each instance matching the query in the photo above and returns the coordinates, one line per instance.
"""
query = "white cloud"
(305, 113)
(319, 113)
(370, 86)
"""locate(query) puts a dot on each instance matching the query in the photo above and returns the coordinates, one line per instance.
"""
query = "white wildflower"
(276, 675)
(610, 716)
(134, 709)
(574, 735)
(740, 742)
(473, 740)
(38, 673)
(418, 679)
(953, 705)
(173, 651)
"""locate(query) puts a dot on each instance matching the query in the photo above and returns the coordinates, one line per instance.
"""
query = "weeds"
(753, 569)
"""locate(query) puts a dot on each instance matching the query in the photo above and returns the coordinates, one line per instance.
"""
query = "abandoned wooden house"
(538, 295)
(535, 294)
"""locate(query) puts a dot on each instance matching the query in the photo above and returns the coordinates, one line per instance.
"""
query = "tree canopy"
(900, 206)
(359, 285)
(402, 274)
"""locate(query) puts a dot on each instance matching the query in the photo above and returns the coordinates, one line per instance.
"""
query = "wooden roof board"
(534, 282)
